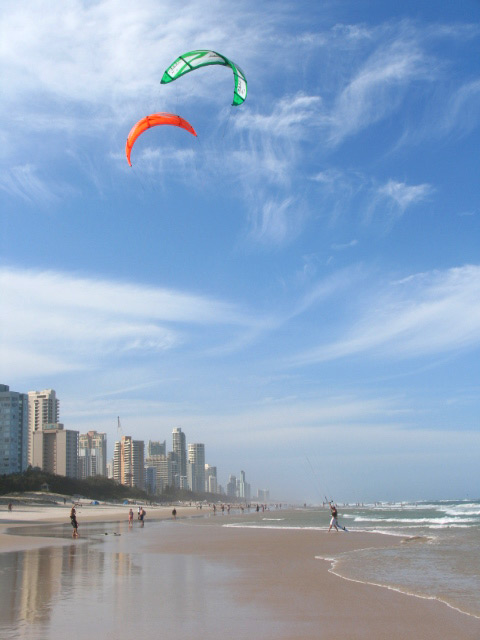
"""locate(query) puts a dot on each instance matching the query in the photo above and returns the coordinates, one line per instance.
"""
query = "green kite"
(201, 58)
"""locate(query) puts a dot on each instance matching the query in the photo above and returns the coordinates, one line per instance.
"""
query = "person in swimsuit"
(130, 518)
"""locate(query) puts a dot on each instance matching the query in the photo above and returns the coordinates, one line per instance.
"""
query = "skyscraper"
(243, 488)
(128, 462)
(92, 454)
(43, 408)
(163, 471)
(156, 448)
(180, 450)
(232, 486)
(13, 430)
(196, 467)
(55, 450)
(211, 479)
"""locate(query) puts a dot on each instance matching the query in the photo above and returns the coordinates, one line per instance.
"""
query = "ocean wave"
(462, 512)
(417, 521)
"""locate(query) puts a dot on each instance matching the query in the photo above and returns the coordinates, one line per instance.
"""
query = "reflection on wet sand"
(30, 580)
(114, 583)
(33, 582)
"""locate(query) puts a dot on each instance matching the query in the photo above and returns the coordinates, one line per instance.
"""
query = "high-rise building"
(13, 430)
(92, 454)
(163, 471)
(211, 479)
(150, 479)
(243, 488)
(55, 450)
(196, 467)
(43, 408)
(128, 462)
(232, 486)
(180, 450)
(156, 448)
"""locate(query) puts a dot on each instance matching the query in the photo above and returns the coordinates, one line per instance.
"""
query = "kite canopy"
(154, 120)
(201, 58)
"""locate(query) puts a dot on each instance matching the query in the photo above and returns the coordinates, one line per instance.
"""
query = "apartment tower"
(43, 408)
(129, 462)
(13, 430)
(92, 454)
(196, 467)
(180, 450)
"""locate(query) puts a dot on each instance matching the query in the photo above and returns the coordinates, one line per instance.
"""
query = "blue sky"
(299, 286)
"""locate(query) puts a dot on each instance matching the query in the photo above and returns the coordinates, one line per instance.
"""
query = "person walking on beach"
(141, 516)
(334, 520)
(174, 513)
(130, 518)
(73, 520)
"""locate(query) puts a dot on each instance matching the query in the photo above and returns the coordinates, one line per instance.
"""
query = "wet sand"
(24, 515)
(196, 578)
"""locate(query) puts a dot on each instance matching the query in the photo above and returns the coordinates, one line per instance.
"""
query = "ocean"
(439, 556)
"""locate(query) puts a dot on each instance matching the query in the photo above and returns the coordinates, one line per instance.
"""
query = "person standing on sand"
(334, 520)
(73, 520)
(130, 518)
(174, 513)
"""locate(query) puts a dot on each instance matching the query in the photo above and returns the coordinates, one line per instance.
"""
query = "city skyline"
(299, 284)
(30, 421)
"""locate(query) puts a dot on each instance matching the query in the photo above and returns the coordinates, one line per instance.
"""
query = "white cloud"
(462, 113)
(24, 182)
(377, 89)
(276, 222)
(58, 321)
(290, 116)
(344, 245)
(398, 196)
(427, 314)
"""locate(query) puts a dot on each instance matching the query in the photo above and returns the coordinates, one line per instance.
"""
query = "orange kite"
(154, 120)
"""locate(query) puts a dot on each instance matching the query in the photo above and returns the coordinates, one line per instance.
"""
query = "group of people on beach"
(142, 513)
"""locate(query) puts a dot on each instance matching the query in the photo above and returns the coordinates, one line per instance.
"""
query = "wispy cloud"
(377, 88)
(276, 222)
(463, 108)
(24, 182)
(427, 314)
(344, 245)
(64, 322)
(395, 197)
(389, 201)
(290, 116)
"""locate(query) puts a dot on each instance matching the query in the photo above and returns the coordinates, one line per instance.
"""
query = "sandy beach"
(197, 576)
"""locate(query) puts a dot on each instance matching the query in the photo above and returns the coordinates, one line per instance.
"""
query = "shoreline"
(273, 572)
(291, 554)
(405, 592)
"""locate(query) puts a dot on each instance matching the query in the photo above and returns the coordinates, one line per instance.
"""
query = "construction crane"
(119, 428)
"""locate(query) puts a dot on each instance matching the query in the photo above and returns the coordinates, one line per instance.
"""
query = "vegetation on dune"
(95, 488)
